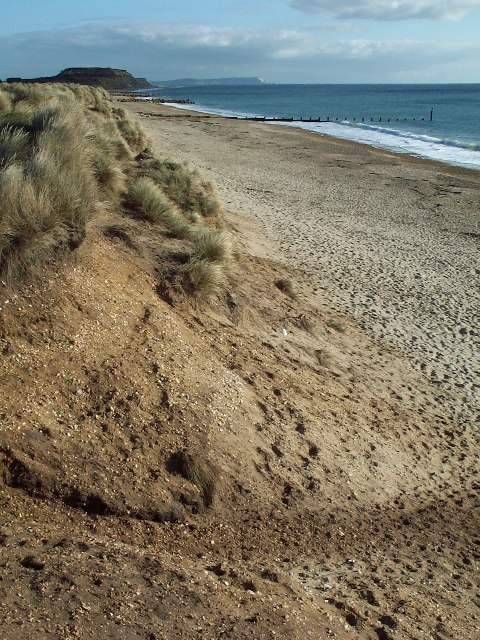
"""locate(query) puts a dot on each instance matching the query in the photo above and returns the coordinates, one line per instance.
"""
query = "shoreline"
(315, 129)
(176, 111)
(387, 238)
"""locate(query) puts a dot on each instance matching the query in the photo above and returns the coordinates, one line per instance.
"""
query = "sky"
(282, 41)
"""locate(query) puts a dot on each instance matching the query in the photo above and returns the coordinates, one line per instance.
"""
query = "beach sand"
(389, 239)
(335, 425)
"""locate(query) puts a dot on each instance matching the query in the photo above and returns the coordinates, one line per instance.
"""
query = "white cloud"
(335, 27)
(163, 51)
(390, 9)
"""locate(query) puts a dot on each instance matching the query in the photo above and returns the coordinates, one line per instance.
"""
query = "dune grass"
(65, 153)
(204, 278)
(148, 201)
(110, 178)
(47, 185)
(132, 134)
(212, 246)
(183, 186)
(5, 102)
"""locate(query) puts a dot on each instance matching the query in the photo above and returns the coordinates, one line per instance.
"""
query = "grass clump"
(107, 141)
(213, 246)
(110, 178)
(47, 187)
(5, 101)
(51, 174)
(28, 225)
(204, 278)
(120, 113)
(207, 271)
(20, 117)
(149, 202)
(183, 186)
(132, 134)
(14, 145)
(286, 286)
(169, 193)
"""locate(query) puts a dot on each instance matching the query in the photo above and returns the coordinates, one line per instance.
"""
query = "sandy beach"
(291, 455)
(389, 239)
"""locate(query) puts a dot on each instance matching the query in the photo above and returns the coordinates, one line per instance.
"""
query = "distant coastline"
(209, 82)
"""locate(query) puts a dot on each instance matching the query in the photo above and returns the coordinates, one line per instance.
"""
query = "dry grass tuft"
(213, 246)
(110, 178)
(14, 145)
(111, 144)
(194, 468)
(120, 113)
(5, 101)
(205, 278)
(47, 185)
(20, 117)
(286, 286)
(147, 201)
(183, 186)
(29, 232)
(132, 134)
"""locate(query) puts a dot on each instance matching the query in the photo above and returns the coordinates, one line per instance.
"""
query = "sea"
(436, 121)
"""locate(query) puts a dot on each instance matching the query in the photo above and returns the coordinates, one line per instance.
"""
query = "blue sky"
(282, 41)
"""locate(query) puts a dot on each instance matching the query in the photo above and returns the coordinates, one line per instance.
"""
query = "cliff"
(111, 79)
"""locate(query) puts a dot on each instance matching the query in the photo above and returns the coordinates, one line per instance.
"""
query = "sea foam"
(452, 152)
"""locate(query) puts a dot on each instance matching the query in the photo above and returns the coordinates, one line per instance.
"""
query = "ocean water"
(453, 136)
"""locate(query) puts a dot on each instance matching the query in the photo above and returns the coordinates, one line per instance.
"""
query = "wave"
(214, 111)
(454, 152)
(461, 144)
(398, 142)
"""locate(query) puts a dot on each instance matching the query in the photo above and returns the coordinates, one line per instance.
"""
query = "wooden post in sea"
(431, 114)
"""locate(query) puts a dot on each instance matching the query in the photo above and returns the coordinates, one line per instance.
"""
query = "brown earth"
(254, 467)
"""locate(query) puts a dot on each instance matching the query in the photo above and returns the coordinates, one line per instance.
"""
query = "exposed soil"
(254, 467)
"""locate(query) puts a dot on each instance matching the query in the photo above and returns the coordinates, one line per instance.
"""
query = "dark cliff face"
(110, 79)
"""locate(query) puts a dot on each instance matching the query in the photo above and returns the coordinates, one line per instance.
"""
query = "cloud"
(390, 9)
(335, 27)
(162, 51)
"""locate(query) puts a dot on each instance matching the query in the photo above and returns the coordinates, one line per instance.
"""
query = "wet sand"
(389, 239)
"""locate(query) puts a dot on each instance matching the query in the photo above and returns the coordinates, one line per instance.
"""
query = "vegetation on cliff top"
(105, 77)
(66, 155)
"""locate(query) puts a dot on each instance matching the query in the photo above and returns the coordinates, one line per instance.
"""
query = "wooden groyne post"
(327, 119)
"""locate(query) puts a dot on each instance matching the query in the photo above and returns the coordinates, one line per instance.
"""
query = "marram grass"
(65, 153)
(183, 186)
